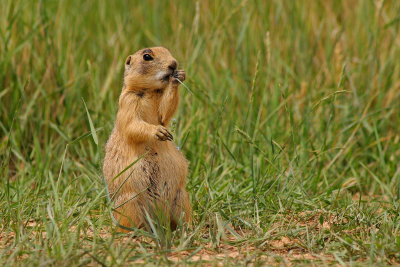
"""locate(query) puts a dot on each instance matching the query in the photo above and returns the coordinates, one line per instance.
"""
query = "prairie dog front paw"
(162, 134)
(178, 74)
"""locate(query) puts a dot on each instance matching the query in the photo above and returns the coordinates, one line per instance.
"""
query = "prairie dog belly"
(165, 168)
(155, 178)
(162, 163)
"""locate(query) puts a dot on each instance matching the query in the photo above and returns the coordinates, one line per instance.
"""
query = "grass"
(292, 130)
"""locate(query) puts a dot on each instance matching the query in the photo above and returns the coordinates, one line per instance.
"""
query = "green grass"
(292, 130)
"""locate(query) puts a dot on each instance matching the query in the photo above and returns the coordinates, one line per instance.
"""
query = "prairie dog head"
(149, 69)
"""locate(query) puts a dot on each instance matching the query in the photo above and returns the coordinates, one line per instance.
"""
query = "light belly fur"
(155, 177)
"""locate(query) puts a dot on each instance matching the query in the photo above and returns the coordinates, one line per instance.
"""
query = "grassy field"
(292, 130)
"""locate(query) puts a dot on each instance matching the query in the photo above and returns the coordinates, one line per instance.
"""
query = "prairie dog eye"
(147, 57)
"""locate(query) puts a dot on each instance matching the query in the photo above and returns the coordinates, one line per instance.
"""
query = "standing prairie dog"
(147, 102)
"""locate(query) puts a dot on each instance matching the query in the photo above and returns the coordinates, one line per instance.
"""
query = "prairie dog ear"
(128, 62)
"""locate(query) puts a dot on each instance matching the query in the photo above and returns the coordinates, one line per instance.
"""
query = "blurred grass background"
(293, 123)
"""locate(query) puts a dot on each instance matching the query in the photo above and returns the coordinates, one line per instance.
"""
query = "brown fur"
(148, 100)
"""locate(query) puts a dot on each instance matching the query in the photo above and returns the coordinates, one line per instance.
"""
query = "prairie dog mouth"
(166, 75)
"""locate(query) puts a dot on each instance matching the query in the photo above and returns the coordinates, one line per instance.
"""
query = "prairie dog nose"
(173, 65)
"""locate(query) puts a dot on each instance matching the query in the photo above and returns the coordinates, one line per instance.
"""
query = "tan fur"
(148, 100)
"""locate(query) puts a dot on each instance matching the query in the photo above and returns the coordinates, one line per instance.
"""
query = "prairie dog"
(148, 100)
